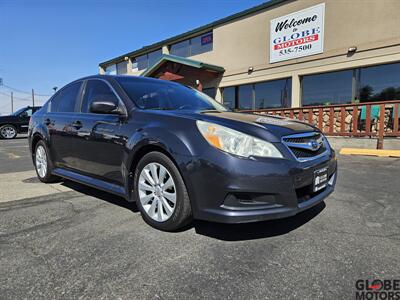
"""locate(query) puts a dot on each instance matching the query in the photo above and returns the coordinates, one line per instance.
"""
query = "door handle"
(77, 124)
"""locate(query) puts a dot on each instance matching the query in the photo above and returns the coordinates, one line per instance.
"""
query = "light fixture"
(250, 70)
(352, 49)
(126, 58)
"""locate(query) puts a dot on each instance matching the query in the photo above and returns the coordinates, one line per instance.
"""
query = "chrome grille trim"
(302, 142)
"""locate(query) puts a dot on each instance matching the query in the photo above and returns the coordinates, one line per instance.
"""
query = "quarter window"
(65, 100)
(97, 90)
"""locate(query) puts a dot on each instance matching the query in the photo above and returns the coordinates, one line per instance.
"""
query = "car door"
(99, 141)
(60, 123)
(23, 120)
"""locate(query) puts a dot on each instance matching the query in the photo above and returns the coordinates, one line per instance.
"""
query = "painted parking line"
(370, 152)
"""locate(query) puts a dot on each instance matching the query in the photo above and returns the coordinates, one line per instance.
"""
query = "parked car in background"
(17, 122)
(178, 153)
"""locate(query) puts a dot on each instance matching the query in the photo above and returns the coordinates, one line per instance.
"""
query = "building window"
(273, 94)
(229, 97)
(211, 92)
(379, 83)
(153, 57)
(122, 68)
(111, 70)
(327, 88)
(145, 61)
(245, 96)
(267, 94)
(181, 49)
(197, 45)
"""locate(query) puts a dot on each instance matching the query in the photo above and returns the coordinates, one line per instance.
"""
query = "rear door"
(60, 123)
(99, 141)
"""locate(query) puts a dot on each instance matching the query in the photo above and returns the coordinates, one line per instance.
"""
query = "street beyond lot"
(69, 241)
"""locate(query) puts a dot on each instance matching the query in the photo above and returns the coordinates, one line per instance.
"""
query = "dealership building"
(283, 53)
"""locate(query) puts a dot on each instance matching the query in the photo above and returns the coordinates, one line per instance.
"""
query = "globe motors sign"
(298, 34)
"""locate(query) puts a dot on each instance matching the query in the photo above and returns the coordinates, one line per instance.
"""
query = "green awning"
(184, 61)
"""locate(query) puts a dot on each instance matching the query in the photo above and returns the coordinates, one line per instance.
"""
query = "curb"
(370, 152)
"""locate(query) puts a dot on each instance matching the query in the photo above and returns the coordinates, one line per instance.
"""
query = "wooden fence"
(378, 119)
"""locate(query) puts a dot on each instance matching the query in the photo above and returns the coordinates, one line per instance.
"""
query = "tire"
(43, 164)
(155, 195)
(8, 132)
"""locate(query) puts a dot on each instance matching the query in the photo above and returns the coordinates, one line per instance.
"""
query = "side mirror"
(104, 107)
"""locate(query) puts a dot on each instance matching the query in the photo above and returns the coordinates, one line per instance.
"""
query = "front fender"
(176, 143)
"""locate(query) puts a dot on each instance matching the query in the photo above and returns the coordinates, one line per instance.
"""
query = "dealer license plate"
(320, 179)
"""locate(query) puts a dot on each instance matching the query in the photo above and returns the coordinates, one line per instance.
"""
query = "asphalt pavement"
(69, 241)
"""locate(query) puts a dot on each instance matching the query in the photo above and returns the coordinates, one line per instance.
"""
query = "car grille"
(306, 146)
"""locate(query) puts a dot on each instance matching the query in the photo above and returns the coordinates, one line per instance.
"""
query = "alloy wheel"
(8, 132)
(41, 161)
(157, 192)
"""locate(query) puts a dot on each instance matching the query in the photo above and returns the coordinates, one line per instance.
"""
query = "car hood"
(265, 126)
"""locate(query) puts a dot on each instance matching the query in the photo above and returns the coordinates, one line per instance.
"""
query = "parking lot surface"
(70, 241)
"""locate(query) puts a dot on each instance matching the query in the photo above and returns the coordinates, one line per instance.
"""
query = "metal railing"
(378, 119)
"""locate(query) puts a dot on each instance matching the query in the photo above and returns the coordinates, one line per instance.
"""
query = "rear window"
(167, 96)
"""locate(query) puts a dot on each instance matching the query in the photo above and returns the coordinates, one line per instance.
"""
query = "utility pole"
(12, 102)
(33, 98)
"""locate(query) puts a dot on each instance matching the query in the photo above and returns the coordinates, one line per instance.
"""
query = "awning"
(171, 67)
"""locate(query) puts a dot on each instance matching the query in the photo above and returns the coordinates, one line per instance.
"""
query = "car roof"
(130, 77)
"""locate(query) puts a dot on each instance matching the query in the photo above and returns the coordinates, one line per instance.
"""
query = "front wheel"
(161, 193)
(8, 132)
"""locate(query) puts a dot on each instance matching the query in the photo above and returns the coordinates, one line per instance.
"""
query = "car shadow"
(105, 196)
(257, 230)
(220, 231)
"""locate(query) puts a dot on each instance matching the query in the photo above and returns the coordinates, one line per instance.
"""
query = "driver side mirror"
(104, 107)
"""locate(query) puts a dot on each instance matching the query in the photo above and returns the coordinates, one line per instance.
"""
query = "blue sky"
(47, 43)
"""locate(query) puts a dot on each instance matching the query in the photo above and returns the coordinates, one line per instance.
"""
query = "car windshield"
(166, 96)
(19, 111)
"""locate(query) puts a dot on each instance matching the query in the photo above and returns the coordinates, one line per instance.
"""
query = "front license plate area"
(320, 179)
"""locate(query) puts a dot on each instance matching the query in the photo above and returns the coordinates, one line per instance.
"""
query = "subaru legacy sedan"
(179, 154)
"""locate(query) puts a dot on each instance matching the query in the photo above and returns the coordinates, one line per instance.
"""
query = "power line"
(24, 92)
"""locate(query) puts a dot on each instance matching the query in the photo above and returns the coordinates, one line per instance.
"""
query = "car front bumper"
(228, 189)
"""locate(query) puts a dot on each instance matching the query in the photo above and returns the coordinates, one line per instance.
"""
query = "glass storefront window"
(245, 96)
(229, 96)
(141, 62)
(273, 94)
(210, 92)
(201, 44)
(327, 88)
(181, 49)
(153, 57)
(379, 83)
(147, 60)
(122, 68)
(197, 45)
(111, 70)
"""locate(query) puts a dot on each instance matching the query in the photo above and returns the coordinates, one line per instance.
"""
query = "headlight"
(235, 142)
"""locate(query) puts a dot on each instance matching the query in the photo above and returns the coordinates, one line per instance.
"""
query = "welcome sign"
(298, 34)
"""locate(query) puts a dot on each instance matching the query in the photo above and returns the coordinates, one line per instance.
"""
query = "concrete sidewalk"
(22, 185)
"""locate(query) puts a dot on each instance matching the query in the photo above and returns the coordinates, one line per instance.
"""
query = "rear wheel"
(43, 163)
(8, 132)
(160, 193)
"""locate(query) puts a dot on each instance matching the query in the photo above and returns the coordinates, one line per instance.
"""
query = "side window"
(65, 100)
(97, 90)
(26, 114)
